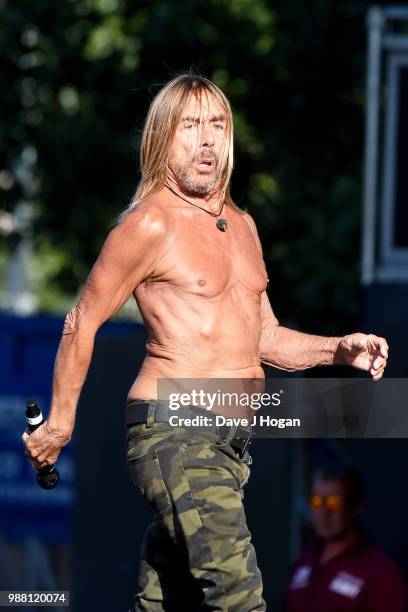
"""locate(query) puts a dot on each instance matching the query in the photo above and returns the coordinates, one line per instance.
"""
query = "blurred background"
(319, 92)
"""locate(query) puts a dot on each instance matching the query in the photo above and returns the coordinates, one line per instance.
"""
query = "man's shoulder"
(249, 220)
(243, 212)
(378, 559)
(148, 216)
(252, 227)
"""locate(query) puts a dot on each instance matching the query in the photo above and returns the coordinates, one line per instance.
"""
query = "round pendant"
(222, 224)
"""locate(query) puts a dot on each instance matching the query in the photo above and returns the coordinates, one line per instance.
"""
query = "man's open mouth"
(205, 163)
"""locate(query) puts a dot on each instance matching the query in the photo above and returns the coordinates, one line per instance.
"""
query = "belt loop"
(150, 414)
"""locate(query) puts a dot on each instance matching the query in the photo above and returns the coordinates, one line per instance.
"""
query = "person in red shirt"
(343, 571)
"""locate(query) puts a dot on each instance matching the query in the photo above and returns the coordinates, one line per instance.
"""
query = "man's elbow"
(71, 321)
(77, 318)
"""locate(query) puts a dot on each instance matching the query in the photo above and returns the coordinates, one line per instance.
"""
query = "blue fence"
(32, 519)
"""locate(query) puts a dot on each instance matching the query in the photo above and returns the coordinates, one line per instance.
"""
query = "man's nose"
(207, 136)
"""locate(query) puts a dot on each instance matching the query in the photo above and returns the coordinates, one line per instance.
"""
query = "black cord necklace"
(221, 222)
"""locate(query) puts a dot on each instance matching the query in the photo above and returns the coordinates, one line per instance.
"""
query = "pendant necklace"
(221, 223)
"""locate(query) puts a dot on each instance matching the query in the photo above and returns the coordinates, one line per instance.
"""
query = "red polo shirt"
(361, 579)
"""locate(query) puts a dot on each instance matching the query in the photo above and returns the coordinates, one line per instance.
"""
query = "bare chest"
(207, 262)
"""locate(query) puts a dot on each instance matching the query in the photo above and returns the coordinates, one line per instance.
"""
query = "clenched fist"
(365, 352)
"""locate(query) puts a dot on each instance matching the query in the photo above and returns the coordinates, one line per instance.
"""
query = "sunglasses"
(334, 503)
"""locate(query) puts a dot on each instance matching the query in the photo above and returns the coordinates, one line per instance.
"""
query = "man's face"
(339, 519)
(199, 146)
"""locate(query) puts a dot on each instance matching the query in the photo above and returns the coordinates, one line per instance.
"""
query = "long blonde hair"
(159, 129)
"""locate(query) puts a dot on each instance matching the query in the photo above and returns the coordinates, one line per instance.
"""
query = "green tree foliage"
(77, 77)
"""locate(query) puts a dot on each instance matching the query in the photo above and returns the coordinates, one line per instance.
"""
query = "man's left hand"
(365, 352)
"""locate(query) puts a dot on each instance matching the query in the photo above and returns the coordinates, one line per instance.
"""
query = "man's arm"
(128, 257)
(290, 350)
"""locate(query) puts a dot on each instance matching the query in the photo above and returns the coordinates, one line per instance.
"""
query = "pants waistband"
(158, 411)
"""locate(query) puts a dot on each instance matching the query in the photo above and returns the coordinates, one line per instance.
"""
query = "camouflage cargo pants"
(197, 553)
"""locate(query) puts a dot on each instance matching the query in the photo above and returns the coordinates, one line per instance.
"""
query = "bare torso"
(201, 307)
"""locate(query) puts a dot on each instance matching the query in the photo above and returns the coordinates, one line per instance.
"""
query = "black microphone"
(47, 476)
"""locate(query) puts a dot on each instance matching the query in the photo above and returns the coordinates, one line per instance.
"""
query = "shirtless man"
(193, 261)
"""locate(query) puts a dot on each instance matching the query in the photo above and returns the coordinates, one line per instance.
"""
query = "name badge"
(300, 578)
(347, 585)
